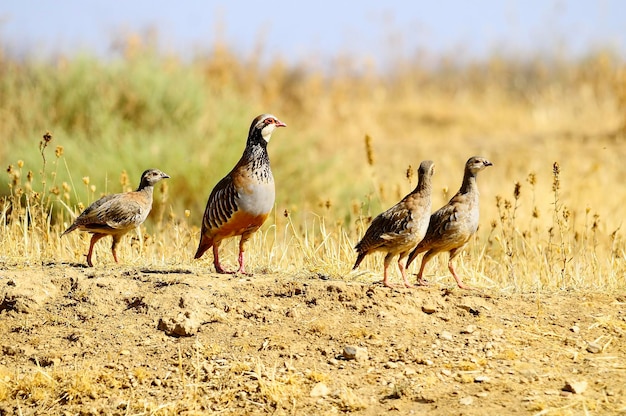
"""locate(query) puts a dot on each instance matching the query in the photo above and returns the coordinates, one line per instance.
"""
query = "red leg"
(386, 270)
(403, 272)
(425, 259)
(216, 260)
(94, 240)
(457, 278)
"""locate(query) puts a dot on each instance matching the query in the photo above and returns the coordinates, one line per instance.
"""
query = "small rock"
(125, 352)
(575, 329)
(466, 401)
(481, 379)
(469, 329)
(409, 372)
(593, 348)
(351, 352)
(391, 364)
(429, 308)
(575, 386)
(498, 332)
(446, 335)
(482, 394)
(446, 372)
(320, 390)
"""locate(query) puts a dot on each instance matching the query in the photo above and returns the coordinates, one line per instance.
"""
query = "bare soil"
(120, 341)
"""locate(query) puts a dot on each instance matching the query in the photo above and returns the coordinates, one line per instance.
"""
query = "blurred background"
(125, 87)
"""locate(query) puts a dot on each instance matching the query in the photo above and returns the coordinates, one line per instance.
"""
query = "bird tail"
(413, 255)
(69, 229)
(359, 259)
(204, 245)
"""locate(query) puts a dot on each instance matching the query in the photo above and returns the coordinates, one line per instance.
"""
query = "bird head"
(265, 124)
(151, 177)
(476, 163)
(427, 167)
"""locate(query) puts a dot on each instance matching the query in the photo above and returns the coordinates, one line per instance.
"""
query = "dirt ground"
(118, 341)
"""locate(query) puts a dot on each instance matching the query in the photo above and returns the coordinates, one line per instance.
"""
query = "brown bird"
(452, 226)
(117, 214)
(242, 200)
(401, 227)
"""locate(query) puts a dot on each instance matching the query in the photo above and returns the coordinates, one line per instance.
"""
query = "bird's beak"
(164, 175)
(488, 163)
(280, 123)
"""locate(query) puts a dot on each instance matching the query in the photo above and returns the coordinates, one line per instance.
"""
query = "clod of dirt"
(26, 296)
(185, 324)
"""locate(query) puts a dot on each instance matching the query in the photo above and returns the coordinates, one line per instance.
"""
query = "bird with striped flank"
(398, 230)
(452, 226)
(117, 214)
(241, 202)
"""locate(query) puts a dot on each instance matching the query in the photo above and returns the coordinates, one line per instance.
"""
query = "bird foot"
(423, 282)
(220, 270)
(466, 287)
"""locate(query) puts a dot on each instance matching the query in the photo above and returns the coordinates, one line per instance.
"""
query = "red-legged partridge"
(452, 226)
(117, 214)
(398, 230)
(243, 199)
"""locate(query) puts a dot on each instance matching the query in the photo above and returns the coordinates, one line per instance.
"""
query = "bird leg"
(242, 248)
(386, 270)
(216, 261)
(94, 240)
(403, 272)
(420, 280)
(457, 278)
(116, 240)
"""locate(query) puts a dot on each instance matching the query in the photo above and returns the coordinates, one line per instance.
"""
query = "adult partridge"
(117, 214)
(452, 226)
(401, 227)
(242, 200)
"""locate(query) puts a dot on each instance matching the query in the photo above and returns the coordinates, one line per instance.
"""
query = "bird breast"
(257, 198)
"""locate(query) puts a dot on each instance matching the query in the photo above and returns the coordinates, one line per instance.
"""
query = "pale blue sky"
(295, 30)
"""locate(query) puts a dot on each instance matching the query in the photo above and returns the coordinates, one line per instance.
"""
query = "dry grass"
(552, 206)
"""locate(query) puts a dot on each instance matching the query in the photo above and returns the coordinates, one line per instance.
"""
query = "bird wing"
(113, 212)
(385, 228)
(452, 224)
(221, 205)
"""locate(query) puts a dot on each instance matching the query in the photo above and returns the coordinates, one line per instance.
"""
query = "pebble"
(481, 379)
(575, 386)
(469, 329)
(351, 352)
(466, 401)
(445, 335)
(124, 352)
(575, 329)
(498, 332)
(429, 308)
(593, 348)
(320, 390)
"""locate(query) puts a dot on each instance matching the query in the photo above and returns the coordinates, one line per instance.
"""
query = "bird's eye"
(271, 121)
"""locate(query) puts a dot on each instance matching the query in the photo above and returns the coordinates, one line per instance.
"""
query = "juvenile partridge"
(401, 227)
(117, 214)
(242, 200)
(452, 226)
